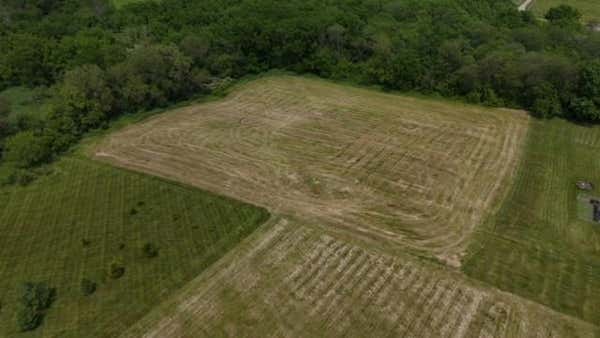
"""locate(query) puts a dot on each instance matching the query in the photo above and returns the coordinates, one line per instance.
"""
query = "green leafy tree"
(152, 76)
(584, 109)
(116, 269)
(150, 250)
(26, 59)
(26, 149)
(35, 301)
(4, 107)
(564, 15)
(85, 97)
(590, 81)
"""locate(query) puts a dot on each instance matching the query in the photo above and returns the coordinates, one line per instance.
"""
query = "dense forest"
(95, 62)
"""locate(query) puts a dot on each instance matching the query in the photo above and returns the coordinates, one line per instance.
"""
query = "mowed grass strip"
(73, 223)
(537, 246)
(292, 280)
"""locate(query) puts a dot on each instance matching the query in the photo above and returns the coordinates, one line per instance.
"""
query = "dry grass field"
(292, 280)
(414, 173)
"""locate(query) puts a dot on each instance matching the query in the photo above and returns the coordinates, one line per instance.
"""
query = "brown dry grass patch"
(290, 280)
(414, 172)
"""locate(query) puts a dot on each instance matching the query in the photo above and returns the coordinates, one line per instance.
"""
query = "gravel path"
(525, 5)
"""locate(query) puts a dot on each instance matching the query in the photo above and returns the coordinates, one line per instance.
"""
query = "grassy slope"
(42, 227)
(589, 8)
(536, 246)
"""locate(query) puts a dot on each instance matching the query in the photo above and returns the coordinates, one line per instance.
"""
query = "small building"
(584, 185)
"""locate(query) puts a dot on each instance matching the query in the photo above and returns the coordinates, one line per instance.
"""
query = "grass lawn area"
(72, 223)
(536, 245)
(590, 9)
(121, 3)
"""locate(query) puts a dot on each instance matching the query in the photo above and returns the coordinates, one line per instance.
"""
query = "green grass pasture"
(536, 246)
(43, 228)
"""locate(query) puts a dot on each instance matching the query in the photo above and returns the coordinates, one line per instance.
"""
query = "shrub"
(36, 299)
(150, 250)
(25, 149)
(4, 107)
(116, 269)
(87, 287)
(28, 319)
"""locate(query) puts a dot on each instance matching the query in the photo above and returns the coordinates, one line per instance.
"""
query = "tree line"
(99, 62)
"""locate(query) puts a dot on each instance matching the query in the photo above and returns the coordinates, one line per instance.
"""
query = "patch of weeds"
(35, 301)
(116, 269)
(150, 250)
(87, 287)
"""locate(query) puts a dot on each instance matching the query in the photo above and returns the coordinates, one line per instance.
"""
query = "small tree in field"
(4, 107)
(150, 250)
(87, 287)
(36, 299)
(116, 269)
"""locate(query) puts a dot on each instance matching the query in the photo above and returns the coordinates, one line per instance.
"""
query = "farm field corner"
(73, 223)
(537, 246)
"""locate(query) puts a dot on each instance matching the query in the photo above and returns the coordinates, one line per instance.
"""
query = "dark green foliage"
(563, 15)
(106, 63)
(116, 269)
(4, 107)
(150, 250)
(35, 301)
(28, 320)
(584, 109)
(84, 99)
(88, 287)
(26, 149)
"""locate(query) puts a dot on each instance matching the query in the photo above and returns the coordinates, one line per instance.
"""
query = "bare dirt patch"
(415, 172)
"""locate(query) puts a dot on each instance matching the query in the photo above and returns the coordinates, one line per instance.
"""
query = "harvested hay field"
(290, 280)
(409, 171)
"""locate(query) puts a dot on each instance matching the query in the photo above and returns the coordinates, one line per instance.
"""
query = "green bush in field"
(150, 250)
(36, 299)
(4, 107)
(88, 287)
(116, 269)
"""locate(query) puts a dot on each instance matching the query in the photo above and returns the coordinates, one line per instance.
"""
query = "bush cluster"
(35, 300)
(88, 287)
